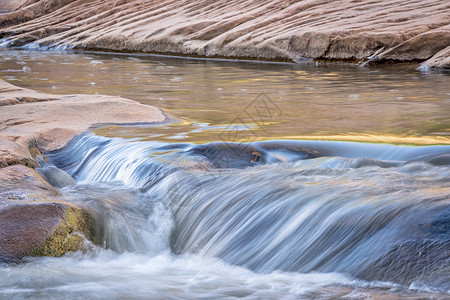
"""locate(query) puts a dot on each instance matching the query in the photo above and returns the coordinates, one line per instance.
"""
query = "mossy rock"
(43, 229)
(34, 218)
(68, 235)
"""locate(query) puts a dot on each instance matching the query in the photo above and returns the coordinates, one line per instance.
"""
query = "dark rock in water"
(433, 158)
(56, 177)
(441, 223)
(229, 155)
(172, 146)
(35, 220)
(6, 260)
(426, 261)
(440, 160)
(233, 155)
(277, 151)
(309, 149)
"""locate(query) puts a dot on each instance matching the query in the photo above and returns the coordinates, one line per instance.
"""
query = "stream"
(276, 181)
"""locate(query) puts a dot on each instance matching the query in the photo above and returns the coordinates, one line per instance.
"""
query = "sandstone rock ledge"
(34, 218)
(343, 30)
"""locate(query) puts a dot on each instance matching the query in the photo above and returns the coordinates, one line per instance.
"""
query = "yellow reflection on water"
(389, 104)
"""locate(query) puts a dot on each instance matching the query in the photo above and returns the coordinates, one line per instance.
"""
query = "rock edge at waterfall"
(35, 220)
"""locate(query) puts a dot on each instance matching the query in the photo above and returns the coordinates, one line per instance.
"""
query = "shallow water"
(261, 217)
(259, 100)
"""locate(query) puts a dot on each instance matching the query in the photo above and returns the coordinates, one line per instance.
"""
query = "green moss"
(68, 235)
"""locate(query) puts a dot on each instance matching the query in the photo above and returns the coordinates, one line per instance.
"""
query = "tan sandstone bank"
(34, 218)
(330, 30)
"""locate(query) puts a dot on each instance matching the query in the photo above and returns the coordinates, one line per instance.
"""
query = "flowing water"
(233, 201)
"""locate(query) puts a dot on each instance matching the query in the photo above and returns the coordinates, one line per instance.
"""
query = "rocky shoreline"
(360, 31)
(35, 219)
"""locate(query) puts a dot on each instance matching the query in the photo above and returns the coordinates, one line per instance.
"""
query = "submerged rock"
(35, 220)
(229, 155)
(441, 224)
(224, 155)
(426, 261)
(56, 177)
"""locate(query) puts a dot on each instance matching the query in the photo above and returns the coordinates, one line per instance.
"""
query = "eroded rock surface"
(50, 121)
(359, 30)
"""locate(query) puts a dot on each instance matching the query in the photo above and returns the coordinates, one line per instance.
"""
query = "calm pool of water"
(247, 101)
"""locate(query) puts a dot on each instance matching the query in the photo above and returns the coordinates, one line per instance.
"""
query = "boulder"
(440, 60)
(228, 155)
(35, 220)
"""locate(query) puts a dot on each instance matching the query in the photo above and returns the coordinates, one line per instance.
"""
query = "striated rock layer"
(343, 30)
(34, 218)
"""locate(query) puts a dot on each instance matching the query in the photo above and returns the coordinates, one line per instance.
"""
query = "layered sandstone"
(357, 31)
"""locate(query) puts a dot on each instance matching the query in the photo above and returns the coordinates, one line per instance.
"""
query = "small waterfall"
(126, 219)
(298, 206)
